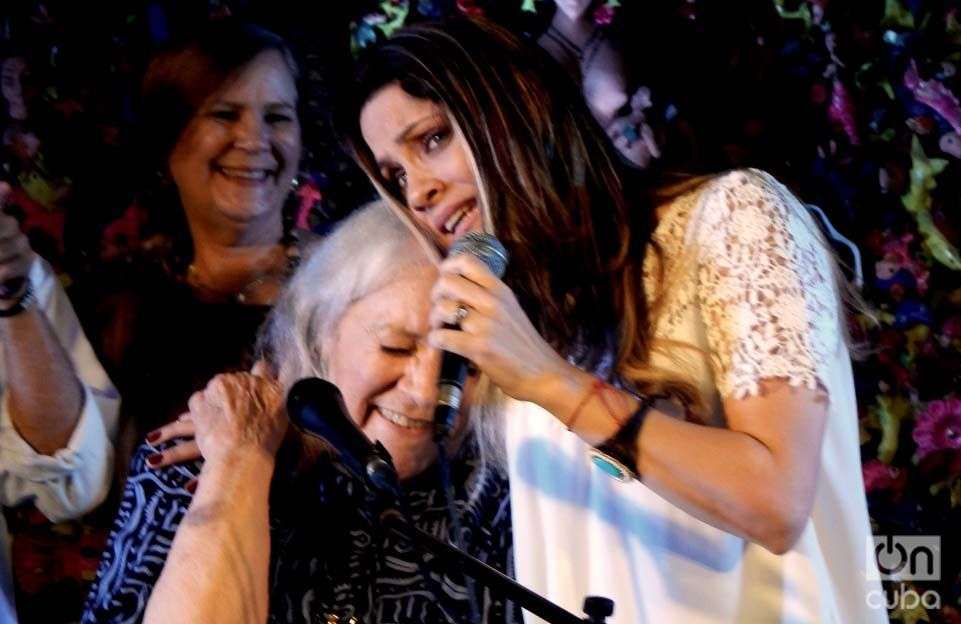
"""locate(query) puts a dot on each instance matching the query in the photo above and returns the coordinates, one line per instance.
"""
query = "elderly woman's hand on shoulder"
(258, 388)
(239, 421)
(238, 414)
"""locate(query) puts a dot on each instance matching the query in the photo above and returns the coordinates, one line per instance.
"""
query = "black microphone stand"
(597, 608)
(376, 470)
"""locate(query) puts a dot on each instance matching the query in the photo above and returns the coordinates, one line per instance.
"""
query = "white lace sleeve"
(765, 286)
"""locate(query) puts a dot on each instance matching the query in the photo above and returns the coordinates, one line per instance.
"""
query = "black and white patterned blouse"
(330, 559)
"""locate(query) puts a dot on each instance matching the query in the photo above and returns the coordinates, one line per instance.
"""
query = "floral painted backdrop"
(853, 104)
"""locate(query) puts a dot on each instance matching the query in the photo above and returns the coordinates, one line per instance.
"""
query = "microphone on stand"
(453, 367)
(317, 407)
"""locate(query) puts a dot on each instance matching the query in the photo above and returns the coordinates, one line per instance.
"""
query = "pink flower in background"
(604, 15)
(952, 327)
(898, 252)
(309, 196)
(879, 476)
(470, 8)
(934, 94)
(841, 111)
(938, 427)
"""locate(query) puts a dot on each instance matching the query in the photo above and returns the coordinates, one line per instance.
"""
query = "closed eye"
(274, 118)
(397, 351)
(223, 114)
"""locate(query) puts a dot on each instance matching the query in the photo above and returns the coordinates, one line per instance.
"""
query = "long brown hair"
(556, 190)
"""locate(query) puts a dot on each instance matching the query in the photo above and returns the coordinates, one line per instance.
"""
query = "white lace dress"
(751, 294)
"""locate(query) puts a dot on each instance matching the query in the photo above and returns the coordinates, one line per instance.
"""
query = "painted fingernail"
(191, 486)
(153, 436)
(154, 459)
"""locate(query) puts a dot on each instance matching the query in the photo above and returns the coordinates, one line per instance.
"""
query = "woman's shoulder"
(170, 481)
(714, 188)
(744, 177)
(739, 189)
(153, 504)
(742, 200)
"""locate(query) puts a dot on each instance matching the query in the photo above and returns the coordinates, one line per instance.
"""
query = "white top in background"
(76, 478)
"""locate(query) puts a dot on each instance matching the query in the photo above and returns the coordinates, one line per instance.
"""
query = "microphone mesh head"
(484, 247)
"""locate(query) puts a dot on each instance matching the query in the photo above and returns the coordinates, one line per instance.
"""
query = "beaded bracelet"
(598, 387)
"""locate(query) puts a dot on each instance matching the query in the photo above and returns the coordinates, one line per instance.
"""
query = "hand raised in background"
(16, 256)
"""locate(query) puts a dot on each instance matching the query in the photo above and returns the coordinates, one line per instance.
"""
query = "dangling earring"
(309, 197)
(604, 14)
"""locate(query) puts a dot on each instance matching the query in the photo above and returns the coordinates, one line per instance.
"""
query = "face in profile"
(421, 160)
(380, 360)
(236, 158)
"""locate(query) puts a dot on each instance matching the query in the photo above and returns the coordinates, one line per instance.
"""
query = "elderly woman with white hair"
(265, 529)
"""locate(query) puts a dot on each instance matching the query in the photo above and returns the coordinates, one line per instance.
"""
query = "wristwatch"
(25, 302)
(617, 456)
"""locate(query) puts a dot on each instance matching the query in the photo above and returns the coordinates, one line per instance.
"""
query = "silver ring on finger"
(460, 314)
